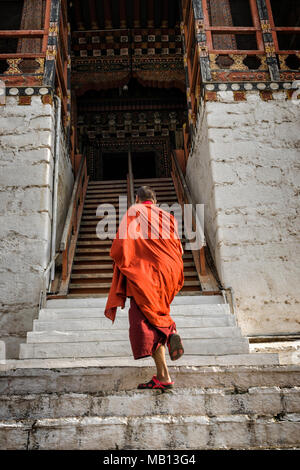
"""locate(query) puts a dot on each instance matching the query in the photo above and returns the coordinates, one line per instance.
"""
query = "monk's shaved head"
(145, 193)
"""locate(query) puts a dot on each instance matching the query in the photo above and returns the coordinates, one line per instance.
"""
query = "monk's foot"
(175, 347)
(164, 380)
(156, 384)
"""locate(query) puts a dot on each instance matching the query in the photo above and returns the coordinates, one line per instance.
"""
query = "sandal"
(175, 347)
(155, 384)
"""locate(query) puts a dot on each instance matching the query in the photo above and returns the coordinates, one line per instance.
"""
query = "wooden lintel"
(22, 55)
(23, 33)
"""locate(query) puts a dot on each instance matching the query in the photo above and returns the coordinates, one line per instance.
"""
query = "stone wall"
(65, 187)
(26, 183)
(245, 167)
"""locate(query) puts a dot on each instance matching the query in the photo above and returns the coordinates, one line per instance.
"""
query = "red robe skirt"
(145, 338)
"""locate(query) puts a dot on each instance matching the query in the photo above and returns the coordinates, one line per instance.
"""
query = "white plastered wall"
(26, 184)
(245, 168)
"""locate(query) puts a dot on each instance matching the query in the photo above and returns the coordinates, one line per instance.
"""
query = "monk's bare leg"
(161, 365)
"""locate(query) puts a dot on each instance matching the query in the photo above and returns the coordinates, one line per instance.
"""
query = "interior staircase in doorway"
(92, 267)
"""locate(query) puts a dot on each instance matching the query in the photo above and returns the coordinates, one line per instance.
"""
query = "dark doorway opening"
(115, 166)
(144, 165)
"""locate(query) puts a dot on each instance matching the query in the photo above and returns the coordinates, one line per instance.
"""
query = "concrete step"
(122, 323)
(262, 401)
(118, 335)
(110, 348)
(217, 310)
(190, 362)
(176, 433)
(96, 302)
(119, 374)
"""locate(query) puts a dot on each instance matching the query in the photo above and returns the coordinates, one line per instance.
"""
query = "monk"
(148, 269)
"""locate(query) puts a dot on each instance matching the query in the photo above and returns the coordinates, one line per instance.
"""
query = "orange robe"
(148, 267)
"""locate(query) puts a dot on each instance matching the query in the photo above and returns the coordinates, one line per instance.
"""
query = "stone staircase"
(98, 408)
(75, 386)
(77, 328)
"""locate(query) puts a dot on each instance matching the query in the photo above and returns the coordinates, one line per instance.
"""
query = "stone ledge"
(106, 379)
(257, 401)
(191, 432)
(197, 361)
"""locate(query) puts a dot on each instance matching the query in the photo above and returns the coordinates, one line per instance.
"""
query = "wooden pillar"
(51, 52)
(137, 14)
(93, 14)
(150, 13)
(107, 14)
(78, 15)
(202, 261)
(268, 37)
(123, 16)
(165, 13)
(46, 24)
(201, 39)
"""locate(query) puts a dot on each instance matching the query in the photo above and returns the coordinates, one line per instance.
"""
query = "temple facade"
(202, 93)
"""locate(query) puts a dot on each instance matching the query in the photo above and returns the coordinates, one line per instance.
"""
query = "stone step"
(25, 377)
(176, 311)
(110, 348)
(95, 302)
(87, 324)
(184, 363)
(175, 432)
(118, 335)
(262, 401)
